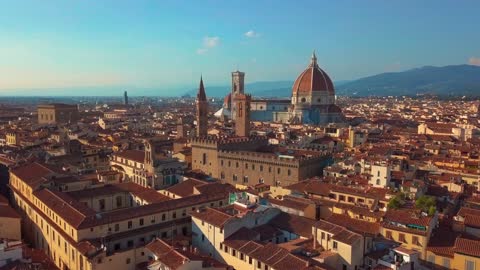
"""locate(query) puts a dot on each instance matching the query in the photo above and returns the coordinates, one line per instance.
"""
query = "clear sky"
(166, 45)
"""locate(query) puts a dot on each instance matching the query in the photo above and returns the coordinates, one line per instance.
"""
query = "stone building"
(95, 226)
(312, 101)
(250, 160)
(57, 113)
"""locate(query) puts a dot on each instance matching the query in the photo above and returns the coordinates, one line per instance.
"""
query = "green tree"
(394, 203)
(426, 204)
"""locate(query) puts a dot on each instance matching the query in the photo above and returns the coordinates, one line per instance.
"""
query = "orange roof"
(313, 79)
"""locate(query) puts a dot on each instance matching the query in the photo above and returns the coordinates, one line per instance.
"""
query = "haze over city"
(245, 135)
(154, 47)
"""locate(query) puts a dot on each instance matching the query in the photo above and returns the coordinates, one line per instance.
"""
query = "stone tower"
(202, 111)
(242, 118)
(181, 132)
(238, 84)
(125, 98)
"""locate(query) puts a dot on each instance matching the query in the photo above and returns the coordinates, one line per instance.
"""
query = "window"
(278, 170)
(119, 201)
(289, 172)
(335, 245)
(116, 246)
(246, 165)
(388, 235)
(174, 215)
(446, 263)
(415, 240)
(245, 179)
(128, 261)
(469, 265)
(249, 260)
(203, 237)
(101, 202)
(401, 238)
(261, 168)
(141, 222)
(130, 224)
(378, 182)
(323, 235)
(234, 253)
(378, 173)
(163, 217)
(204, 158)
(259, 264)
(242, 256)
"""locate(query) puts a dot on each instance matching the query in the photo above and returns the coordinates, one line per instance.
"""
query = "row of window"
(242, 257)
(237, 165)
(402, 238)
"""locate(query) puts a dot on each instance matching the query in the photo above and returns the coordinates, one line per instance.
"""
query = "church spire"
(201, 91)
(313, 61)
(202, 111)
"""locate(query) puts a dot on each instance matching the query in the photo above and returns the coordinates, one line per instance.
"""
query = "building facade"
(57, 113)
(312, 101)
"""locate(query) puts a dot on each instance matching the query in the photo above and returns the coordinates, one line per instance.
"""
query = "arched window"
(303, 100)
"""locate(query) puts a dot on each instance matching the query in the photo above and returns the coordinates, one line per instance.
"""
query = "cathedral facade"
(312, 101)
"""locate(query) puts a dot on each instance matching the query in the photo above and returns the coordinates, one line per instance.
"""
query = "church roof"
(313, 79)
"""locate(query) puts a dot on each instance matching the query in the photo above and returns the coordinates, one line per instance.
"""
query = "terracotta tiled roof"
(471, 216)
(289, 203)
(407, 217)
(311, 186)
(213, 216)
(467, 247)
(135, 155)
(340, 233)
(72, 211)
(312, 79)
(33, 174)
(358, 226)
(299, 225)
(442, 242)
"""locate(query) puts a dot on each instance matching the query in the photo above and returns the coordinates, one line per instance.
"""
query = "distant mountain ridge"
(448, 80)
(455, 80)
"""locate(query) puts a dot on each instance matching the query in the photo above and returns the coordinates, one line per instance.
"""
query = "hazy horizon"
(165, 46)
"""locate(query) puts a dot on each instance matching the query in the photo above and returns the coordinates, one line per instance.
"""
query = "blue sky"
(166, 45)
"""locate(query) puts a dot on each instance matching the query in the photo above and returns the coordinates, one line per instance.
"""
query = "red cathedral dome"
(313, 79)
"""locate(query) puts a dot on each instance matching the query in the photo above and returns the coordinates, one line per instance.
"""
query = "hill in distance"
(456, 80)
